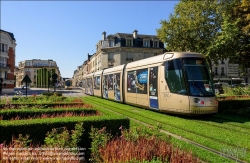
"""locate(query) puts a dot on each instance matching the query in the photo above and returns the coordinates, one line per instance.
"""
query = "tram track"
(104, 106)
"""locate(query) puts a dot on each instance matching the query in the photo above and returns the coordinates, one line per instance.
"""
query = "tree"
(242, 14)
(206, 27)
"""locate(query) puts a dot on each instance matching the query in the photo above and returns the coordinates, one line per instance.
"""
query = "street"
(75, 92)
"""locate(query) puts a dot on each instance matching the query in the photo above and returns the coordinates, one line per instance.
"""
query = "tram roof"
(163, 57)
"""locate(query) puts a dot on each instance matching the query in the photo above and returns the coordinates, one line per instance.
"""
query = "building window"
(3, 62)
(216, 70)
(129, 42)
(146, 43)
(34, 70)
(222, 71)
(5, 75)
(111, 56)
(111, 43)
(155, 44)
(34, 76)
(3, 47)
(129, 57)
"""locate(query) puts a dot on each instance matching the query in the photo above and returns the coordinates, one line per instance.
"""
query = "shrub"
(64, 138)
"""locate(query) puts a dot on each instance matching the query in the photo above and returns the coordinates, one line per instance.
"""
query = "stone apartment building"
(83, 69)
(7, 61)
(228, 72)
(30, 68)
(121, 48)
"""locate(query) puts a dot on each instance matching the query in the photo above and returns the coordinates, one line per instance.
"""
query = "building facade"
(227, 72)
(30, 68)
(120, 48)
(7, 61)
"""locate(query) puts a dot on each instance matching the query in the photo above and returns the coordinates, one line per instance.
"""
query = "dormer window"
(111, 43)
(129, 42)
(156, 44)
(146, 43)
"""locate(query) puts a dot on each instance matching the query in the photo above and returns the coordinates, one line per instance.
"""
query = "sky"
(66, 31)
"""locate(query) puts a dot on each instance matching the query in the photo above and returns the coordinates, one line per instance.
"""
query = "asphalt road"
(75, 92)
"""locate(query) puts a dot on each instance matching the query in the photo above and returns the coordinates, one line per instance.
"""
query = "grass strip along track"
(215, 139)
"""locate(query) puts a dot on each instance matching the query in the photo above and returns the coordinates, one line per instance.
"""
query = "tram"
(68, 83)
(174, 82)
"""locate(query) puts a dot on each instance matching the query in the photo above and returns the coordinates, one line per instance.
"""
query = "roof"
(123, 35)
(11, 34)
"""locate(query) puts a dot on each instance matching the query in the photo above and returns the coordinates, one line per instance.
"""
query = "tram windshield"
(199, 81)
(189, 76)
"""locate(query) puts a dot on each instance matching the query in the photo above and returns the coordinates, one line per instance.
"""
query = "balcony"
(4, 66)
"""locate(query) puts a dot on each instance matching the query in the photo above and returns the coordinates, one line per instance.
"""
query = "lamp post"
(49, 73)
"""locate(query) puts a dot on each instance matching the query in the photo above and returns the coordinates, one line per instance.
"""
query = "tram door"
(153, 89)
(173, 94)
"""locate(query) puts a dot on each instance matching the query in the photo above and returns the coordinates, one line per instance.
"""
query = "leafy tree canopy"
(219, 29)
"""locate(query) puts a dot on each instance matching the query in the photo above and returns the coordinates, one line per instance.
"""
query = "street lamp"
(49, 73)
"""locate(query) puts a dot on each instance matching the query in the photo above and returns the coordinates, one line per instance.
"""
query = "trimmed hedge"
(38, 128)
(25, 113)
(41, 105)
(236, 107)
(52, 93)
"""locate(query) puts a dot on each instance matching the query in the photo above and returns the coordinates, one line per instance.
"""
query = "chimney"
(103, 35)
(135, 34)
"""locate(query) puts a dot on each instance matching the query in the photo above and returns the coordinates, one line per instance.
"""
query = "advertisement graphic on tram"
(97, 82)
(117, 87)
(89, 86)
(137, 81)
(105, 86)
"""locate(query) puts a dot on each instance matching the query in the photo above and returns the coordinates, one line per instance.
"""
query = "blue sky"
(66, 31)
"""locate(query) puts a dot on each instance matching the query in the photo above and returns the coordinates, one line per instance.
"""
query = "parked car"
(244, 84)
(24, 87)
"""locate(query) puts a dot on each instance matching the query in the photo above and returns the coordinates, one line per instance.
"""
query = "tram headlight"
(197, 100)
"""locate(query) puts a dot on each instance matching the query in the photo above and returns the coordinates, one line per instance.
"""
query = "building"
(226, 71)
(30, 68)
(78, 74)
(7, 61)
(120, 48)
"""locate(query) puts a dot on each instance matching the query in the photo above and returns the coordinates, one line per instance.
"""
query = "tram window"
(198, 78)
(97, 82)
(174, 77)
